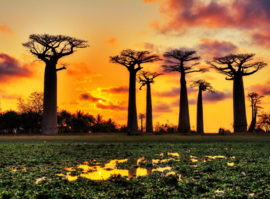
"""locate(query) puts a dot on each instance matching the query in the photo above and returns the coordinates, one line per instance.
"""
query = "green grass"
(120, 137)
(39, 159)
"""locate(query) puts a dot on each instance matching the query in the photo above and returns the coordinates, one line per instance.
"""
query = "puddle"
(97, 172)
(40, 179)
(103, 173)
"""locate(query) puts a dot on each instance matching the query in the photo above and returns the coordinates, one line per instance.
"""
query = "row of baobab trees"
(50, 48)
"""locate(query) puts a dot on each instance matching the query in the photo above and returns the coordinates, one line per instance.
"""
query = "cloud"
(191, 101)
(213, 48)
(11, 69)
(262, 89)
(88, 97)
(5, 29)
(10, 96)
(209, 97)
(174, 92)
(80, 68)
(116, 90)
(181, 15)
(162, 107)
(112, 41)
(261, 38)
(111, 106)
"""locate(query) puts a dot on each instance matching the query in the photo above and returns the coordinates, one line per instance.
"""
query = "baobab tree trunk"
(132, 110)
(49, 120)
(184, 124)
(149, 122)
(200, 113)
(239, 107)
(253, 121)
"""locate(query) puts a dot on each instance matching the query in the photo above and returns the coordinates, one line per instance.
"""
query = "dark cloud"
(11, 68)
(262, 89)
(121, 89)
(209, 97)
(89, 97)
(174, 92)
(213, 48)
(261, 38)
(162, 107)
(180, 15)
(192, 101)
(111, 106)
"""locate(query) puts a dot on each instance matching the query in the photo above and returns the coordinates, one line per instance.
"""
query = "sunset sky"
(94, 85)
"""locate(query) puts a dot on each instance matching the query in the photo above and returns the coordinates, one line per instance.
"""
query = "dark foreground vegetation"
(203, 169)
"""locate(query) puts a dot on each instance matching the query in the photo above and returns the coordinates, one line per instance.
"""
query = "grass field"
(151, 166)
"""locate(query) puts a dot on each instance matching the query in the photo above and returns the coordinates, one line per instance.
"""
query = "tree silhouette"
(33, 104)
(203, 86)
(236, 67)
(264, 122)
(255, 100)
(147, 78)
(175, 60)
(141, 116)
(49, 49)
(130, 58)
(64, 120)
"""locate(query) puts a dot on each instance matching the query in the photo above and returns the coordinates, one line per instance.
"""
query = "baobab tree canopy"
(203, 85)
(46, 47)
(146, 77)
(50, 49)
(236, 67)
(175, 61)
(236, 64)
(130, 58)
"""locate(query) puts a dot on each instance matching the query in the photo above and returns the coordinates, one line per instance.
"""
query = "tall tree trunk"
(132, 110)
(49, 121)
(149, 122)
(200, 113)
(239, 107)
(253, 121)
(184, 124)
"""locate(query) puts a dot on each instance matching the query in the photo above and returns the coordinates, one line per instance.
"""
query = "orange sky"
(212, 28)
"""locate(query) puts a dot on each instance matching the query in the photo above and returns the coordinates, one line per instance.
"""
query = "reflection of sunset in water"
(97, 172)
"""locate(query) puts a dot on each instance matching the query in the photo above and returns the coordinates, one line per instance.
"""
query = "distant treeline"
(31, 122)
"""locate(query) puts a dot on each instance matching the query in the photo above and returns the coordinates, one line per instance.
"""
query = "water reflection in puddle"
(97, 172)
(103, 173)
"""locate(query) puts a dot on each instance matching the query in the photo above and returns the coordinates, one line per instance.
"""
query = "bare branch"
(203, 85)
(236, 64)
(46, 46)
(129, 58)
(176, 59)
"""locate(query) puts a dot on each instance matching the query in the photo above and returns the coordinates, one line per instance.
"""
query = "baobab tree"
(49, 49)
(147, 78)
(176, 61)
(141, 116)
(203, 86)
(255, 100)
(130, 58)
(236, 67)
